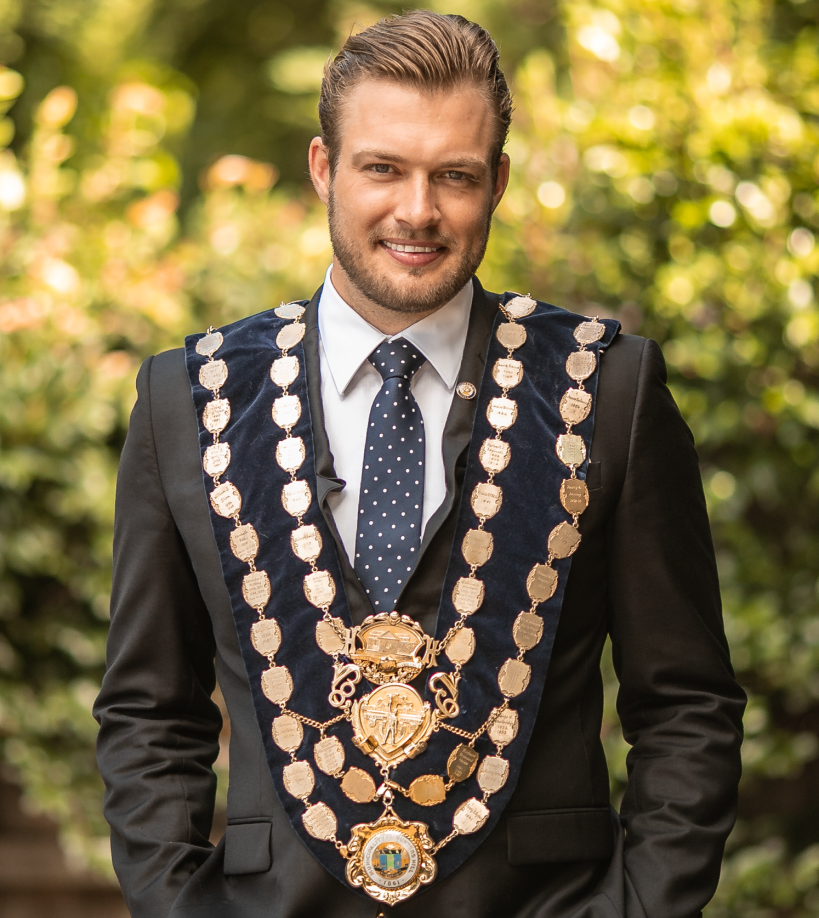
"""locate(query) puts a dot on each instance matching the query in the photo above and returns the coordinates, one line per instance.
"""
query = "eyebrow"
(474, 162)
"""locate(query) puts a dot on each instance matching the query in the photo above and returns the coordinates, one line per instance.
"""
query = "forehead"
(415, 123)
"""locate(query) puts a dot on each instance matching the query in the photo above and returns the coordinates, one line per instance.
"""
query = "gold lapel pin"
(466, 390)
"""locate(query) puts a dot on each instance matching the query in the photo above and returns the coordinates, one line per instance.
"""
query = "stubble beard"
(386, 293)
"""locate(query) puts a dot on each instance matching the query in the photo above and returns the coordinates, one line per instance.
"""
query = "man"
(405, 559)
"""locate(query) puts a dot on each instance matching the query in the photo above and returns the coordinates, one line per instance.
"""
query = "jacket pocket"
(247, 848)
(558, 836)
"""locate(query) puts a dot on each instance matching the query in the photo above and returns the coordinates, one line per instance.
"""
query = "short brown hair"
(428, 51)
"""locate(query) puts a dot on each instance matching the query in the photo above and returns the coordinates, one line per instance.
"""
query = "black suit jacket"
(645, 574)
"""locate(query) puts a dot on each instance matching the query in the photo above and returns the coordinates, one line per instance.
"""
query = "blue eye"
(381, 168)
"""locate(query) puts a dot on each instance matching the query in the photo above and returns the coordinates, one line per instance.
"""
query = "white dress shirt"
(349, 384)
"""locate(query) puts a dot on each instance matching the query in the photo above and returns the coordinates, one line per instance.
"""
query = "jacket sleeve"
(159, 728)
(679, 704)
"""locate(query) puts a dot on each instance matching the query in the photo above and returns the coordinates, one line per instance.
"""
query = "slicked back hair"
(427, 51)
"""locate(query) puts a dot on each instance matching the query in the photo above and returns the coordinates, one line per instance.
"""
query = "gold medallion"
(461, 646)
(320, 821)
(216, 459)
(589, 332)
(466, 390)
(226, 500)
(290, 453)
(467, 595)
(329, 755)
(507, 372)
(320, 588)
(527, 630)
(502, 413)
(486, 500)
(580, 365)
(461, 762)
(574, 495)
(575, 406)
(213, 375)
(287, 732)
(266, 636)
(390, 859)
(390, 648)
(492, 774)
(495, 455)
(296, 498)
(328, 637)
(428, 790)
(504, 728)
(563, 540)
(277, 684)
(477, 546)
(511, 336)
(208, 345)
(571, 450)
(470, 816)
(513, 677)
(256, 589)
(290, 335)
(216, 415)
(520, 306)
(285, 371)
(541, 583)
(306, 543)
(358, 786)
(299, 779)
(286, 410)
(244, 543)
(289, 311)
(396, 719)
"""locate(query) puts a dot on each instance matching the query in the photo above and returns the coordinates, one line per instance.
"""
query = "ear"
(502, 180)
(319, 160)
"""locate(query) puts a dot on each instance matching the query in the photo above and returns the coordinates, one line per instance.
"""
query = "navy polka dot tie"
(388, 537)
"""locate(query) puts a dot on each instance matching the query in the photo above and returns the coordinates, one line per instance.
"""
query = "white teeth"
(408, 248)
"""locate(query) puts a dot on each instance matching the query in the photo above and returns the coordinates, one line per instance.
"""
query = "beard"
(410, 298)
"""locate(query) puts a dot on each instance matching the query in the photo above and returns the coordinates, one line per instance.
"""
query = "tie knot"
(397, 359)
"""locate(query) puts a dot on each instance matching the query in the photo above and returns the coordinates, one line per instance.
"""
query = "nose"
(417, 206)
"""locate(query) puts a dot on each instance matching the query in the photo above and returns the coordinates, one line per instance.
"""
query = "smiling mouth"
(411, 249)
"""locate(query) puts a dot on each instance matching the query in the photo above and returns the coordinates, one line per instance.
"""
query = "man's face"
(412, 194)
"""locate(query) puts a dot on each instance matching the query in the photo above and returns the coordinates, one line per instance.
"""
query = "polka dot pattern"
(388, 536)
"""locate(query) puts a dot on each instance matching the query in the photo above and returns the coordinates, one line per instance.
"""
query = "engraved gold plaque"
(290, 453)
(216, 459)
(296, 497)
(226, 499)
(507, 372)
(571, 450)
(575, 406)
(502, 413)
(477, 546)
(495, 455)
(563, 540)
(299, 779)
(589, 332)
(486, 500)
(320, 821)
(358, 785)
(574, 495)
(289, 311)
(580, 365)
(470, 816)
(290, 335)
(287, 732)
(527, 630)
(520, 306)
(208, 345)
(504, 727)
(285, 370)
(328, 638)
(277, 684)
(467, 595)
(541, 583)
(513, 677)
(329, 755)
(256, 589)
(244, 543)
(286, 410)
(390, 648)
(320, 588)
(428, 790)
(213, 375)
(216, 415)
(492, 774)
(511, 336)
(462, 646)
(306, 543)
(461, 762)
(266, 636)
(395, 719)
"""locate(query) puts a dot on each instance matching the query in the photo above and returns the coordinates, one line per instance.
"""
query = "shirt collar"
(348, 339)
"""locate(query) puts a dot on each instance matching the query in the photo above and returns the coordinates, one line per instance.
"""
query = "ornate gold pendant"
(391, 648)
(390, 859)
(392, 724)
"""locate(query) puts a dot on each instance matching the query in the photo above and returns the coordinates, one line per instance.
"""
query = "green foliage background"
(666, 163)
